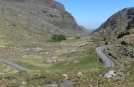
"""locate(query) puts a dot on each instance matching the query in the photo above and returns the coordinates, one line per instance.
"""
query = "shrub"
(77, 37)
(58, 38)
(123, 43)
(123, 34)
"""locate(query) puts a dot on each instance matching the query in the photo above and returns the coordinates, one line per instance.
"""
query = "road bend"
(108, 61)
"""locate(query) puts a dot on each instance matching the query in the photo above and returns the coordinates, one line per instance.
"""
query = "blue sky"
(92, 13)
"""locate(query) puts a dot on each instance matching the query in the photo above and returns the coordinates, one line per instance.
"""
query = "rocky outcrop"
(117, 23)
(131, 24)
(36, 20)
(48, 3)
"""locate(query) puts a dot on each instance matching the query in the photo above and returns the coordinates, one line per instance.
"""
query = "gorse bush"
(58, 38)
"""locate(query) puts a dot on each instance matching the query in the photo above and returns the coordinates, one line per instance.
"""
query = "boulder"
(48, 61)
(54, 84)
(110, 74)
(67, 83)
(65, 75)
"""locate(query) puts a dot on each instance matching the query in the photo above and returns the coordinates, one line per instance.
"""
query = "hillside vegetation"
(41, 36)
(30, 22)
(118, 30)
(116, 24)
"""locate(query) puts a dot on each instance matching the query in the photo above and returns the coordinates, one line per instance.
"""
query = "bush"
(123, 34)
(58, 38)
(77, 37)
(123, 43)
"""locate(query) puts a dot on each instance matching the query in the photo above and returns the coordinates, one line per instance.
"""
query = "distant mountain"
(91, 30)
(117, 26)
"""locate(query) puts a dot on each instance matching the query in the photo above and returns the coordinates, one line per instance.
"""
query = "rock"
(110, 74)
(72, 51)
(51, 85)
(46, 52)
(118, 75)
(54, 57)
(48, 61)
(37, 49)
(54, 61)
(80, 73)
(23, 83)
(117, 45)
(76, 61)
(65, 75)
(79, 45)
(67, 83)
(128, 73)
(59, 60)
(92, 86)
(100, 75)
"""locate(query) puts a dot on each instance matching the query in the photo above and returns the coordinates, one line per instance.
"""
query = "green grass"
(88, 64)
(35, 78)
(40, 74)
(84, 62)
(32, 78)
(27, 65)
(71, 40)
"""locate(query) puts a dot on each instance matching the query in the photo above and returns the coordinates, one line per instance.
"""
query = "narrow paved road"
(13, 64)
(108, 61)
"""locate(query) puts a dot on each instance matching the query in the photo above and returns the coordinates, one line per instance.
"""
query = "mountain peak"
(117, 23)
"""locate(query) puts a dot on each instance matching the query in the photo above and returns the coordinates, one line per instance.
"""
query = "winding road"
(13, 64)
(108, 61)
(99, 50)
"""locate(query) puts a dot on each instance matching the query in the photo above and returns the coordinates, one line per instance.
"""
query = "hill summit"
(118, 25)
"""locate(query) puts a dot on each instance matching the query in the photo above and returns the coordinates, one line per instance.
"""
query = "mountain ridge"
(116, 24)
(35, 21)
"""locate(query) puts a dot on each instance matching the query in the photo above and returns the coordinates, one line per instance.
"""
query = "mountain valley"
(27, 28)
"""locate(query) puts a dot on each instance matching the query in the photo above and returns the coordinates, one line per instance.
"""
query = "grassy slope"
(42, 73)
(50, 72)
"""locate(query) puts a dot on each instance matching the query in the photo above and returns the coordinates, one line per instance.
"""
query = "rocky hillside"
(119, 30)
(34, 21)
(117, 25)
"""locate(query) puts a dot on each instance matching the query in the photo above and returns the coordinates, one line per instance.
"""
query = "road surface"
(108, 61)
(13, 64)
